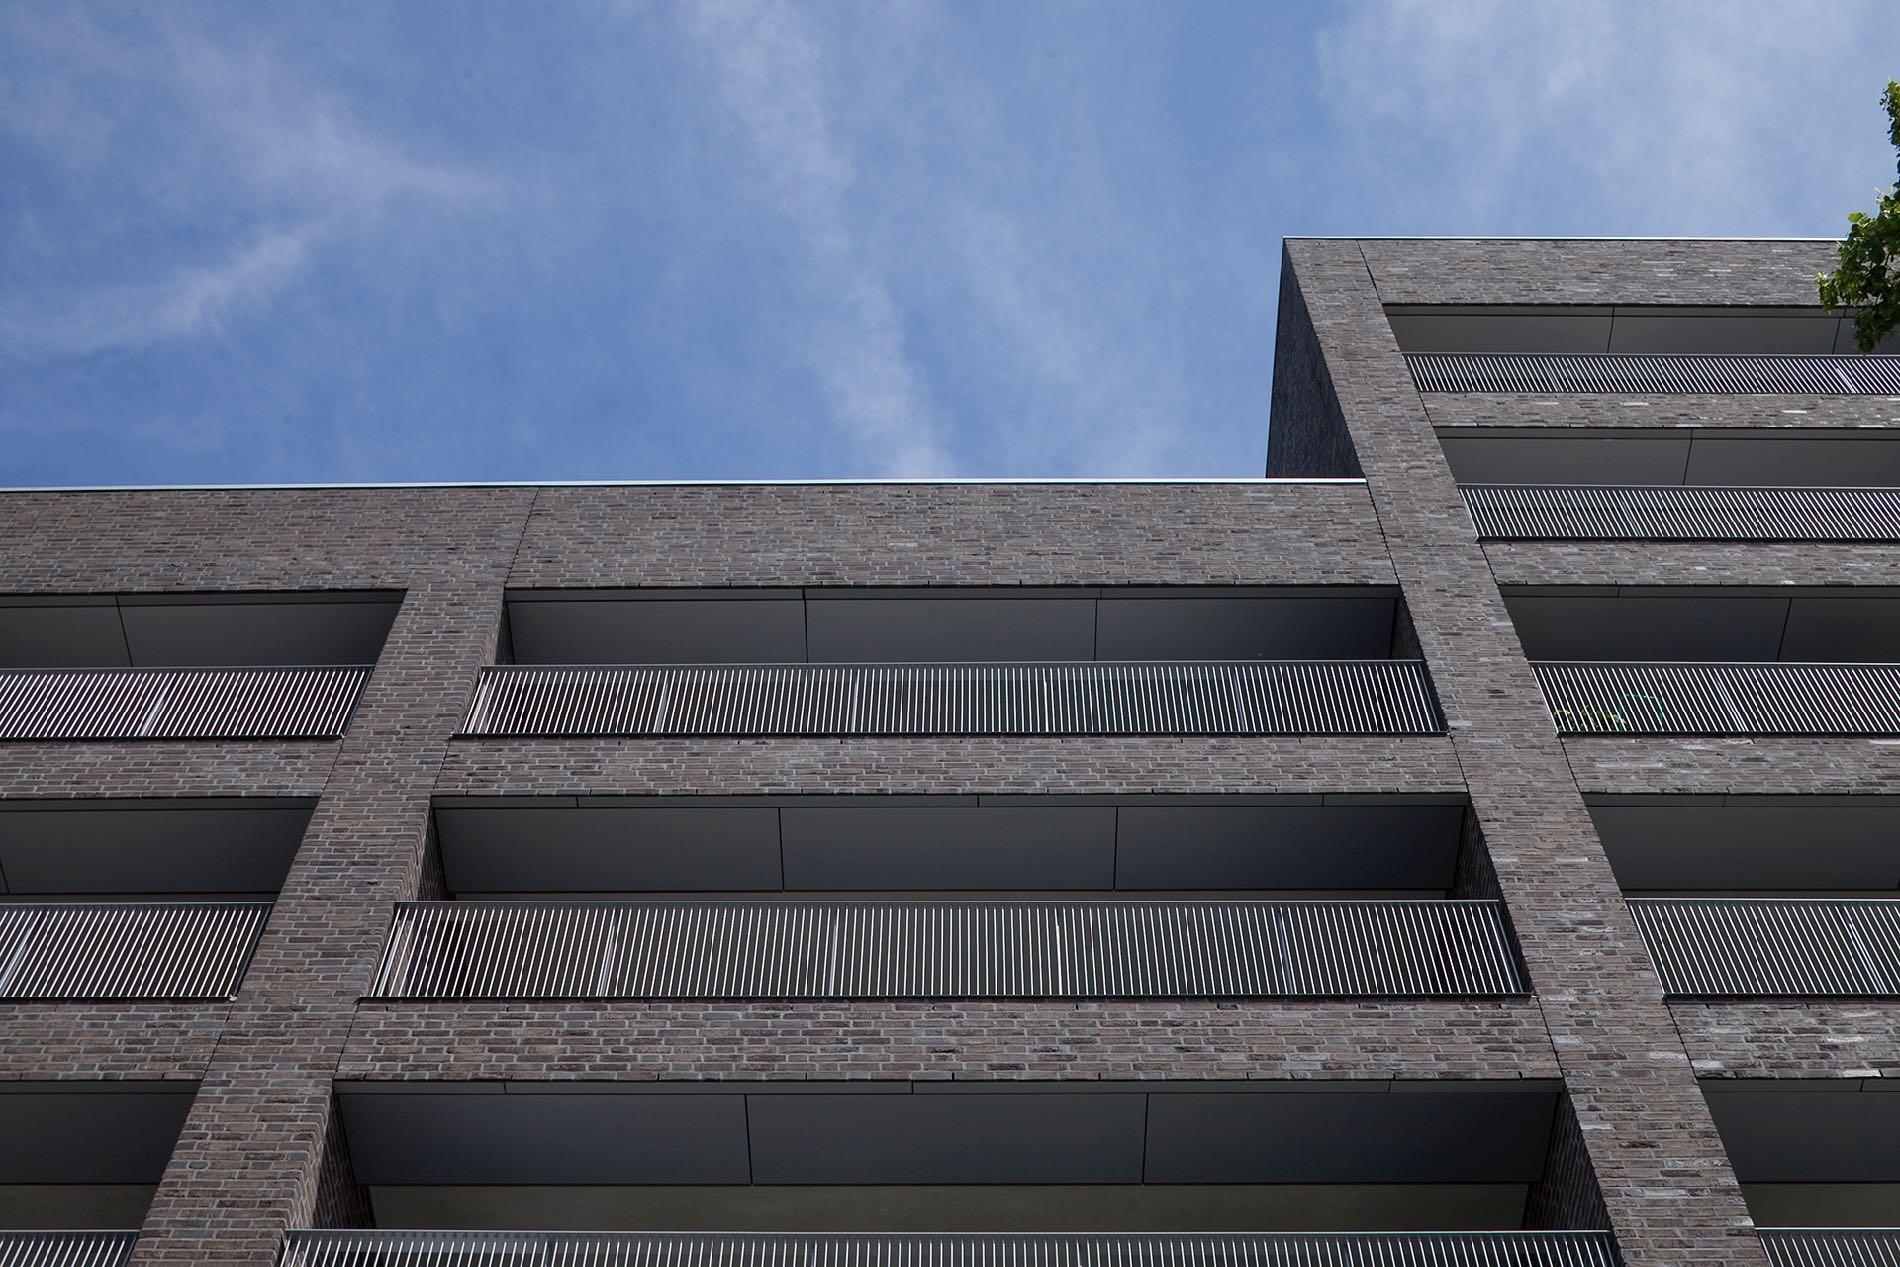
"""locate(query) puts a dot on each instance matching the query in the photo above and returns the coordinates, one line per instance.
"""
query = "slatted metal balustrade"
(1656, 373)
(248, 703)
(1831, 1246)
(1684, 698)
(1608, 512)
(1253, 697)
(126, 950)
(1773, 947)
(66, 1249)
(964, 949)
(923, 1249)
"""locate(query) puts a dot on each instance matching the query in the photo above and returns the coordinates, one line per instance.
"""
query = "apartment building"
(1473, 844)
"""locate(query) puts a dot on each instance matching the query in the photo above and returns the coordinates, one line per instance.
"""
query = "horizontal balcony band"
(66, 1249)
(1628, 697)
(58, 951)
(873, 1249)
(870, 950)
(1608, 512)
(1656, 373)
(1831, 1246)
(106, 703)
(1773, 947)
(1250, 697)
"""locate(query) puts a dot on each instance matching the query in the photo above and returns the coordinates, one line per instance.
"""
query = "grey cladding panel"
(659, 631)
(47, 636)
(1348, 1137)
(1800, 1136)
(899, 629)
(1843, 629)
(1288, 847)
(565, 849)
(952, 847)
(1774, 460)
(76, 1137)
(1550, 330)
(256, 633)
(1637, 458)
(1026, 1138)
(1823, 846)
(149, 851)
(1244, 628)
(1637, 627)
(546, 1138)
(1722, 332)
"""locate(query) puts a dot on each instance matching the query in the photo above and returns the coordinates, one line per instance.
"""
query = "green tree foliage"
(1868, 279)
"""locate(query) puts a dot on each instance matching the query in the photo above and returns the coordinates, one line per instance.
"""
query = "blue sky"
(485, 240)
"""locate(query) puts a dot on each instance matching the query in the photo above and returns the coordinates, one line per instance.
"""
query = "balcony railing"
(1656, 374)
(126, 950)
(842, 950)
(924, 1249)
(1773, 947)
(66, 1249)
(1831, 1246)
(1586, 512)
(1638, 698)
(289, 703)
(1253, 697)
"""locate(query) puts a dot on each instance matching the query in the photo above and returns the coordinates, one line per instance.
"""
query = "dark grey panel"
(233, 850)
(1244, 628)
(1724, 332)
(1843, 629)
(1027, 1138)
(574, 1138)
(48, 636)
(570, 850)
(93, 1205)
(81, 1137)
(1844, 343)
(1824, 846)
(1288, 847)
(659, 631)
(1549, 330)
(1799, 1136)
(1783, 460)
(959, 847)
(965, 1208)
(1348, 1137)
(1823, 1204)
(1636, 627)
(874, 630)
(1636, 458)
(257, 633)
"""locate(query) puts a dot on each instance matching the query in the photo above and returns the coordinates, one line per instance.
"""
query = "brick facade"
(1634, 1149)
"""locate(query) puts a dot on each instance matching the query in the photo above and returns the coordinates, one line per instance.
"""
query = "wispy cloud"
(770, 73)
(230, 153)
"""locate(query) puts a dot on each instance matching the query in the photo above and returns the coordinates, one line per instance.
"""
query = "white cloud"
(770, 72)
(206, 138)
(1709, 117)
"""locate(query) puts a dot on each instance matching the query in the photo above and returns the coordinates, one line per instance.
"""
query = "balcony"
(1830, 1246)
(1601, 512)
(66, 1249)
(82, 1154)
(861, 897)
(852, 950)
(1769, 700)
(126, 950)
(1335, 697)
(130, 899)
(228, 666)
(1656, 373)
(1773, 947)
(764, 1249)
(801, 1162)
(971, 661)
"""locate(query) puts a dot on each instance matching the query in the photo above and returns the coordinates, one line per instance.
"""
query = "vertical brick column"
(250, 1161)
(1666, 1181)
